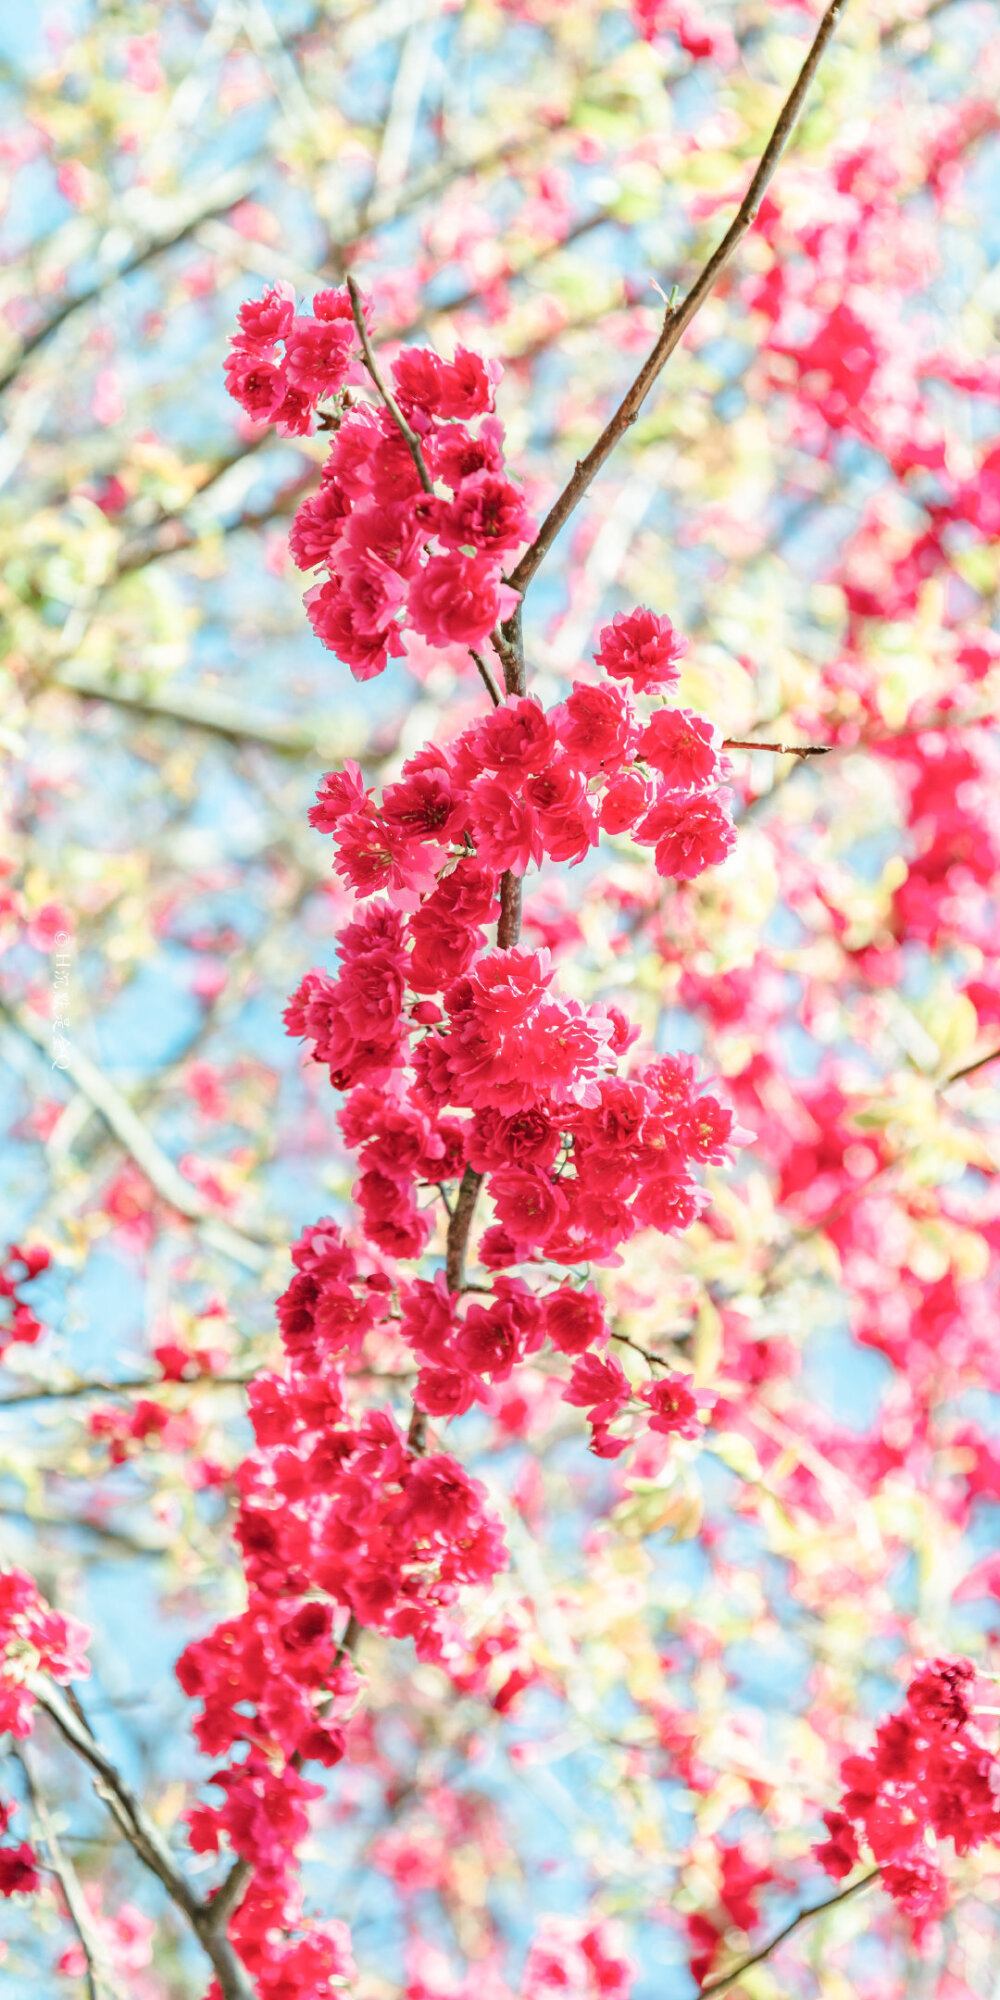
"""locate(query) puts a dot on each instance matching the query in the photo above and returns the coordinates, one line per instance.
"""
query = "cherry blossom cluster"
(34, 1639)
(408, 535)
(463, 1070)
(19, 1874)
(271, 1684)
(571, 1960)
(524, 785)
(19, 1268)
(282, 364)
(347, 1512)
(929, 1773)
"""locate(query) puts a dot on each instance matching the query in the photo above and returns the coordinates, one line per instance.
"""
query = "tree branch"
(679, 318)
(252, 1249)
(969, 1069)
(236, 188)
(70, 1391)
(143, 1835)
(388, 398)
(217, 714)
(487, 678)
(459, 1226)
(99, 1977)
(781, 749)
(728, 1979)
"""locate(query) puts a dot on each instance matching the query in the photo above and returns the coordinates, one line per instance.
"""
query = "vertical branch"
(406, 430)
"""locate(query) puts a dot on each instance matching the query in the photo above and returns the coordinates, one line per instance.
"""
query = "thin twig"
(969, 1069)
(490, 684)
(728, 1979)
(679, 318)
(250, 1248)
(388, 398)
(98, 1975)
(143, 1835)
(70, 1391)
(781, 749)
(236, 186)
(653, 1360)
(895, 29)
(217, 715)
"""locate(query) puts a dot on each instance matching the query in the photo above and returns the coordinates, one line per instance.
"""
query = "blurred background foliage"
(518, 177)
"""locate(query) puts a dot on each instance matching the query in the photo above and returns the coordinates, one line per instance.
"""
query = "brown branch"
(679, 318)
(509, 927)
(969, 1069)
(728, 1979)
(388, 398)
(51, 1391)
(156, 247)
(487, 678)
(98, 1975)
(781, 749)
(459, 1226)
(251, 1248)
(143, 1835)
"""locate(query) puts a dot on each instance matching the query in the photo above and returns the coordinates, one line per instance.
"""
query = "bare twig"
(895, 29)
(70, 1391)
(969, 1069)
(98, 1976)
(388, 398)
(247, 1247)
(143, 1835)
(728, 1979)
(216, 714)
(490, 684)
(781, 749)
(236, 186)
(679, 318)
(653, 1360)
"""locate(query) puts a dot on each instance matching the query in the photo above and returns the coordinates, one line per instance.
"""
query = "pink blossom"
(488, 512)
(331, 613)
(642, 648)
(597, 728)
(689, 835)
(683, 748)
(457, 599)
